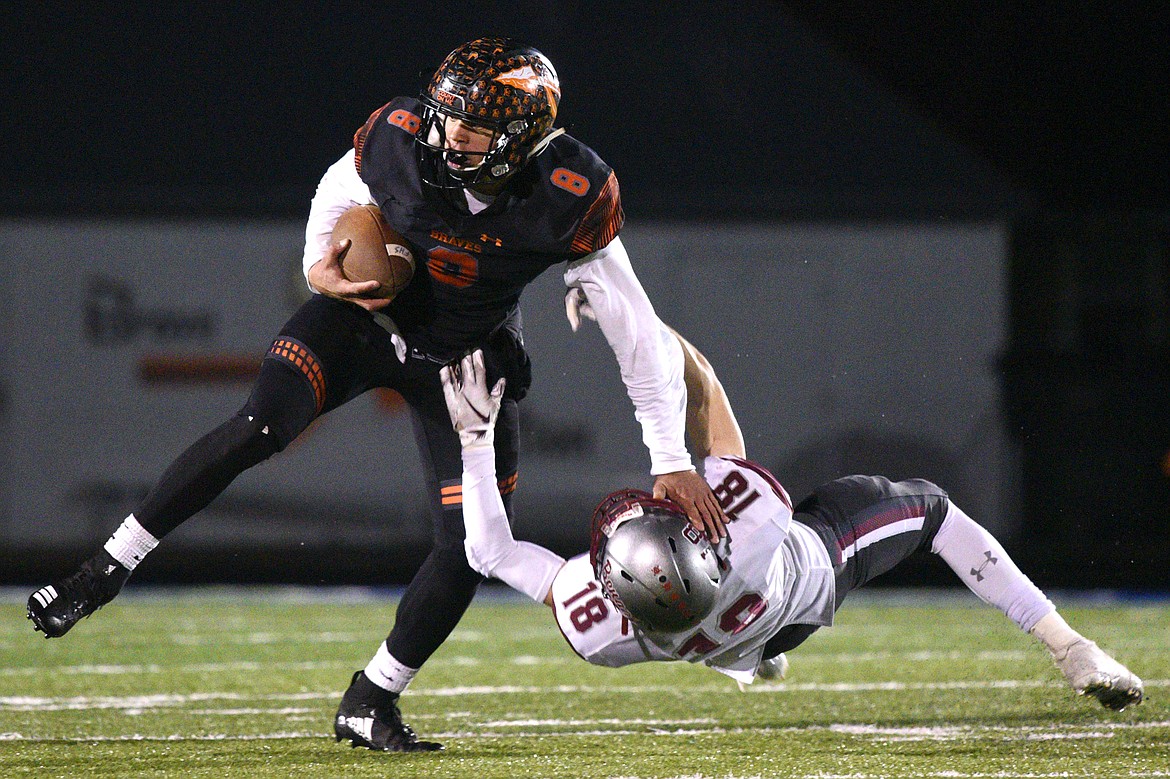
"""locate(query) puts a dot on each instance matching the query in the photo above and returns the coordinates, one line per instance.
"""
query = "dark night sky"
(730, 110)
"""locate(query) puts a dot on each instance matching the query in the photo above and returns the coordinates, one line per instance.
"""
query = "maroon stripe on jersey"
(912, 508)
(764, 474)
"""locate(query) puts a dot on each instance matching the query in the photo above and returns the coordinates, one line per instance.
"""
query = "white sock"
(130, 543)
(388, 673)
(985, 568)
(1055, 634)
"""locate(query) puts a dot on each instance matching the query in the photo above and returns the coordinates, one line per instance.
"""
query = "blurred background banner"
(930, 240)
(162, 330)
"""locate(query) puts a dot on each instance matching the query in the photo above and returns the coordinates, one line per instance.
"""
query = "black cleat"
(368, 716)
(57, 607)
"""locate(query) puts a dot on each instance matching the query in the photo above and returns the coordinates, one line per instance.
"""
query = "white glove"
(472, 408)
(577, 307)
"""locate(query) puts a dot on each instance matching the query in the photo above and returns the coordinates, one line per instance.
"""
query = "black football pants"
(869, 525)
(328, 353)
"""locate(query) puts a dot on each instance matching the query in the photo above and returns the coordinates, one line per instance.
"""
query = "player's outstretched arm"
(491, 549)
(651, 367)
(711, 424)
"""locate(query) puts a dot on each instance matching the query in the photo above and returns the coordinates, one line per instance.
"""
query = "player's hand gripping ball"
(376, 252)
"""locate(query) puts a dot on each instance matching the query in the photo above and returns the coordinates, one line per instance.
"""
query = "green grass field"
(238, 683)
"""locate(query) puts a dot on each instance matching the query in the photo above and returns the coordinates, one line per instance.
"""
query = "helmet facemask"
(448, 168)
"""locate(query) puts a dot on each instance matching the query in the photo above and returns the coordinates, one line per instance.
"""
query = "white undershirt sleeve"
(340, 189)
(649, 356)
(491, 549)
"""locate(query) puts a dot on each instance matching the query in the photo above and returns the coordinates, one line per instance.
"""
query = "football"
(376, 252)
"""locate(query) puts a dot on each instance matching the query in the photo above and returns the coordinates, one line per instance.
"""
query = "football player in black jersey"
(473, 173)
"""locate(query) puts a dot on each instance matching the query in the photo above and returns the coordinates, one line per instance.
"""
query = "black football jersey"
(473, 267)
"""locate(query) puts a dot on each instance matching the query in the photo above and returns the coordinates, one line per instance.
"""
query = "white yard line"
(152, 668)
(958, 775)
(112, 669)
(36, 703)
(1099, 730)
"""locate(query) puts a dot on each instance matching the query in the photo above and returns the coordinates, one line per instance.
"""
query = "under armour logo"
(978, 572)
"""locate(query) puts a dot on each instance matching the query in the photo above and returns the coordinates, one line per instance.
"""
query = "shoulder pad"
(594, 196)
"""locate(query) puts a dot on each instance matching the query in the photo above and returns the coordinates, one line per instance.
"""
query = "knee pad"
(282, 404)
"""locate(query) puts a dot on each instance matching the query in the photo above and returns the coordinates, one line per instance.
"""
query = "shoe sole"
(39, 626)
(1112, 697)
(417, 746)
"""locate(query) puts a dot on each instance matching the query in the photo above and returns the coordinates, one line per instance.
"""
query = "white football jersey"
(777, 572)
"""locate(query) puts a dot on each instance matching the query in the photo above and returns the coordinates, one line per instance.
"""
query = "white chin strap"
(545, 141)
(502, 169)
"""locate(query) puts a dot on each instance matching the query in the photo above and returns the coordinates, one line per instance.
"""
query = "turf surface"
(238, 683)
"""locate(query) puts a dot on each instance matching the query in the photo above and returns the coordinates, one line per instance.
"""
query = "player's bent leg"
(282, 404)
(987, 570)
(369, 717)
(869, 524)
(321, 359)
(190, 483)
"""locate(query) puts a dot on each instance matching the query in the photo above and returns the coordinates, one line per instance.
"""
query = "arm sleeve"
(491, 549)
(648, 354)
(340, 188)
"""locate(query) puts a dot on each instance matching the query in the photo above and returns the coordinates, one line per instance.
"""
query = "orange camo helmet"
(501, 85)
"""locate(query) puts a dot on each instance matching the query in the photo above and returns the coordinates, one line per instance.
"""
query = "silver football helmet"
(656, 569)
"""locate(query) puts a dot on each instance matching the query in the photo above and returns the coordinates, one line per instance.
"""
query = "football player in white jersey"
(652, 587)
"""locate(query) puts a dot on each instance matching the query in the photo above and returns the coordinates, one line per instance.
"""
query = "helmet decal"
(529, 80)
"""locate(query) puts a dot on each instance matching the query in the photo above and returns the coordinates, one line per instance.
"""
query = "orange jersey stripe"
(602, 221)
(359, 137)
